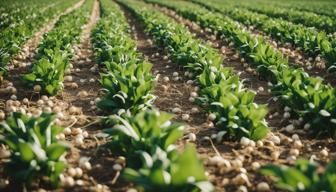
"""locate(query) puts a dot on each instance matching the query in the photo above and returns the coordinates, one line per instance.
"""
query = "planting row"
(20, 24)
(139, 132)
(55, 50)
(309, 19)
(306, 98)
(326, 8)
(309, 40)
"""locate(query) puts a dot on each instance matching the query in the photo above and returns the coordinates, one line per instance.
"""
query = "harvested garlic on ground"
(185, 117)
(324, 152)
(263, 186)
(192, 137)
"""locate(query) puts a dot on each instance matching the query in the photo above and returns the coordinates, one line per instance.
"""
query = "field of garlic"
(154, 95)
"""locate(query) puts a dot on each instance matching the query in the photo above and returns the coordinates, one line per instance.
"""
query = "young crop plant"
(169, 172)
(113, 44)
(212, 75)
(48, 73)
(303, 177)
(128, 88)
(145, 131)
(35, 151)
(309, 19)
(235, 111)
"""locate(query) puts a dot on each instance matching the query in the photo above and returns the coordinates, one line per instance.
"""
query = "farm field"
(171, 96)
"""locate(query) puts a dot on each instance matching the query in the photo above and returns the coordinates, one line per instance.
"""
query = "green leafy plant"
(303, 177)
(145, 137)
(48, 73)
(128, 87)
(172, 171)
(143, 132)
(236, 114)
(127, 80)
(300, 17)
(35, 151)
(212, 76)
(309, 98)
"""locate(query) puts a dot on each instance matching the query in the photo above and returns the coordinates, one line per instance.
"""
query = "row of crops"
(322, 8)
(146, 139)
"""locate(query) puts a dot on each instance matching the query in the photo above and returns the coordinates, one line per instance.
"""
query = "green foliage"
(113, 44)
(309, 98)
(147, 140)
(143, 132)
(304, 176)
(166, 172)
(300, 17)
(128, 87)
(211, 76)
(35, 151)
(235, 111)
(128, 81)
(48, 74)
(145, 137)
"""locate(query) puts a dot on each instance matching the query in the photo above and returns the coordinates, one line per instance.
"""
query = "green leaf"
(25, 151)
